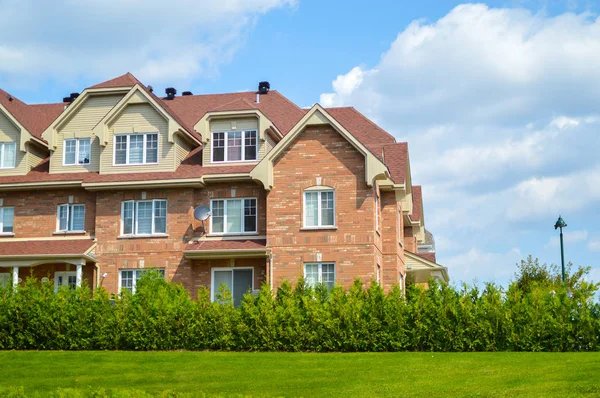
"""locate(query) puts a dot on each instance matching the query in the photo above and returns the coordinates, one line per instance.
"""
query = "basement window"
(128, 278)
(316, 273)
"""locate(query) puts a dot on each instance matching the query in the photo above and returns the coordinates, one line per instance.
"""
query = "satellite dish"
(202, 213)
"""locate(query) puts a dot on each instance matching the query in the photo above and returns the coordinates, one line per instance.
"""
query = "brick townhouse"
(104, 185)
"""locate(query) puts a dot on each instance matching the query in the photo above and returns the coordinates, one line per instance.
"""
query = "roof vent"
(170, 93)
(150, 88)
(74, 96)
(263, 87)
(187, 93)
(67, 99)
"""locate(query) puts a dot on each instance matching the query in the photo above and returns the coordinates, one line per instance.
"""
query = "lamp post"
(560, 223)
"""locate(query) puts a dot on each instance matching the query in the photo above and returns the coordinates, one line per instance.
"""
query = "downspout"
(271, 270)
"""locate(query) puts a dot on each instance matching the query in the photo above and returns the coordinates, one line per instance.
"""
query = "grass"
(307, 374)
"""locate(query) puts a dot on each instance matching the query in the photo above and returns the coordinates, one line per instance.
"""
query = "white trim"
(135, 214)
(320, 270)
(3, 145)
(226, 151)
(243, 223)
(212, 278)
(128, 148)
(65, 275)
(135, 271)
(77, 141)
(70, 219)
(319, 210)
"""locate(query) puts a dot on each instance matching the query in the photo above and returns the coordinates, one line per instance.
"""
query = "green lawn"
(306, 374)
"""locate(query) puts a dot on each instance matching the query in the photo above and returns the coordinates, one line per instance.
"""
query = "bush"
(536, 313)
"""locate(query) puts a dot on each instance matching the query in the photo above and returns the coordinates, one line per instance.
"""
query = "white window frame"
(214, 289)
(243, 223)
(135, 217)
(69, 218)
(320, 272)
(128, 150)
(226, 153)
(2, 221)
(77, 142)
(65, 275)
(319, 209)
(3, 145)
(135, 278)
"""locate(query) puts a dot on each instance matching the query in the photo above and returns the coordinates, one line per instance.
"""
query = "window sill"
(143, 236)
(233, 234)
(68, 233)
(135, 164)
(326, 228)
(6, 234)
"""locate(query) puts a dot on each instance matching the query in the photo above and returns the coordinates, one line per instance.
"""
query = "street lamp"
(560, 223)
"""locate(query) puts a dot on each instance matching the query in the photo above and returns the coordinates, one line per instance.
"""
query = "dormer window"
(234, 146)
(7, 155)
(136, 149)
(77, 151)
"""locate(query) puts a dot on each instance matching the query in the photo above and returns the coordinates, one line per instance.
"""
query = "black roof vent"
(74, 96)
(263, 87)
(187, 93)
(170, 93)
(150, 88)
(67, 99)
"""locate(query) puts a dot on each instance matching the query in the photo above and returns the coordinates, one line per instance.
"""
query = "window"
(7, 215)
(144, 217)
(231, 216)
(315, 273)
(234, 146)
(129, 277)
(237, 281)
(77, 151)
(71, 218)
(377, 212)
(319, 209)
(4, 280)
(68, 279)
(7, 155)
(136, 148)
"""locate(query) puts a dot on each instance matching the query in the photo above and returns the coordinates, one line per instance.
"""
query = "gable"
(89, 114)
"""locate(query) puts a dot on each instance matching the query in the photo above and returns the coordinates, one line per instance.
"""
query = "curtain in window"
(8, 214)
(328, 275)
(160, 216)
(121, 149)
(151, 148)
(127, 218)
(223, 277)
(311, 274)
(9, 154)
(311, 209)
(218, 216)
(63, 217)
(234, 216)
(78, 215)
(70, 150)
(234, 145)
(136, 149)
(84, 152)
(327, 208)
(144, 217)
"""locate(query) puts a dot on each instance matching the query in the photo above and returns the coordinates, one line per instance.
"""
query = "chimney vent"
(150, 88)
(67, 99)
(263, 87)
(74, 96)
(170, 93)
(187, 93)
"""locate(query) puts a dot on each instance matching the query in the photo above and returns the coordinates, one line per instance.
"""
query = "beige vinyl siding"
(269, 144)
(233, 124)
(35, 155)
(139, 118)
(182, 149)
(10, 133)
(80, 125)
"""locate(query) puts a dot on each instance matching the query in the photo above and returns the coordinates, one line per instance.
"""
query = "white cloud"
(594, 246)
(158, 40)
(476, 264)
(569, 236)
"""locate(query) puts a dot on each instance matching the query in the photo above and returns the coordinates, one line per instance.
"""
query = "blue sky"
(499, 101)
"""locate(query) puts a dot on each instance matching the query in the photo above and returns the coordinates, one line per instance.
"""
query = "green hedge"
(161, 316)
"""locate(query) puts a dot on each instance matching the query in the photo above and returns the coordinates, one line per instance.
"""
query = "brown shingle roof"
(396, 159)
(126, 80)
(429, 256)
(76, 247)
(417, 198)
(245, 244)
